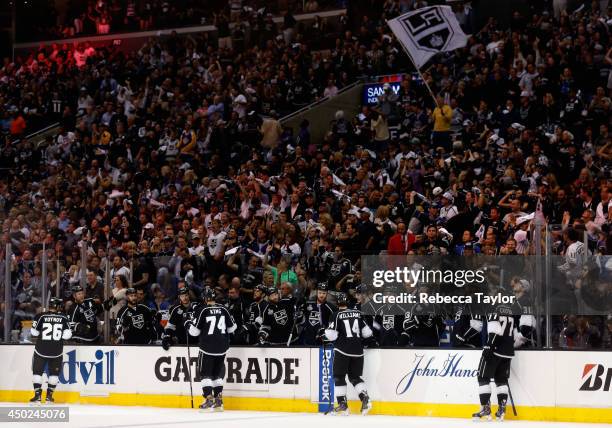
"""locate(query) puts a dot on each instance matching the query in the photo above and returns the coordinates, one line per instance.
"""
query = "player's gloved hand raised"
(167, 342)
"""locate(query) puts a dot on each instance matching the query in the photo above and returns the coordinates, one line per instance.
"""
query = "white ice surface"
(90, 416)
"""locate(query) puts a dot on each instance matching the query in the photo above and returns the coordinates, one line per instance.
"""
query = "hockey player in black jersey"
(236, 308)
(213, 324)
(135, 321)
(467, 328)
(183, 311)
(336, 268)
(346, 330)
(422, 327)
(496, 358)
(317, 314)
(278, 325)
(84, 316)
(50, 328)
(255, 313)
(388, 324)
(525, 324)
(365, 305)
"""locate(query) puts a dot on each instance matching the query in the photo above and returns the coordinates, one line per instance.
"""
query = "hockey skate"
(37, 397)
(366, 404)
(49, 398)
(485, 412)
(341, 409)
(207, 405)
(218, 405)
(501, 411)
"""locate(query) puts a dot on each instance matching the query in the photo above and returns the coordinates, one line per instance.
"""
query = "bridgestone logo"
(595, 379)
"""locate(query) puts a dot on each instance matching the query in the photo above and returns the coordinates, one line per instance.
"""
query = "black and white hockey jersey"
(135, 324)
(254, 319)
(346, 330)
(336, 270)
(51, 329)
(388, 324)
(179, 315)
(422, 326)
(525, 323)
(467, 328)
(84, 320)
(279, 323)
(237, 310)
(213, 324)
(316, 317)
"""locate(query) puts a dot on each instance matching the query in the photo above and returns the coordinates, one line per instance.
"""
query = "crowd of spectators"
(77, 18)
(172, 163)
(60, 81)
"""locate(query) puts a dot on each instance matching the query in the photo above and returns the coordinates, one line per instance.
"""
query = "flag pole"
(415, 65)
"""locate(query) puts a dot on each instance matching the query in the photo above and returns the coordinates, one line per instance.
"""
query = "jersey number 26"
(51, 331)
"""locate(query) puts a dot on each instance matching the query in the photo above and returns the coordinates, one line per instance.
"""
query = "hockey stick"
(189, 368)
(292, 328)
(511, 400)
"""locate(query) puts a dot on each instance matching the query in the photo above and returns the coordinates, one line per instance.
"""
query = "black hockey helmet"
(209, 294)
(130, 290)
(76, 288)
(322, 286)
(272, 290)
(56, 303)
(261, 288)
(342, 299)
(183, 290)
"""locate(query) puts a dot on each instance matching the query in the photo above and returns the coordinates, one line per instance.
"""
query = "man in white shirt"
(602, 212)
(119, 268)
(448, 210)
(214, 242)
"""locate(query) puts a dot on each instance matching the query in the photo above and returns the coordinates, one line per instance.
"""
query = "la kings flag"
(428, 31)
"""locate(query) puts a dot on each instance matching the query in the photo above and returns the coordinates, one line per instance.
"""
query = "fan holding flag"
(424, 33)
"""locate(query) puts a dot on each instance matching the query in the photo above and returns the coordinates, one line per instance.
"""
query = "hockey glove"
(167, 342)
(519, 339)
(262, 336)
(109, 303)
(79, 328)
(320, 337)
(404, 339)
(126, 323)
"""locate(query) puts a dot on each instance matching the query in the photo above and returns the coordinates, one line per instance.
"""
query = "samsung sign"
(372, 91)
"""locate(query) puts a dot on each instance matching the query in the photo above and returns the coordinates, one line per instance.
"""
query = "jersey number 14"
(352, 329)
